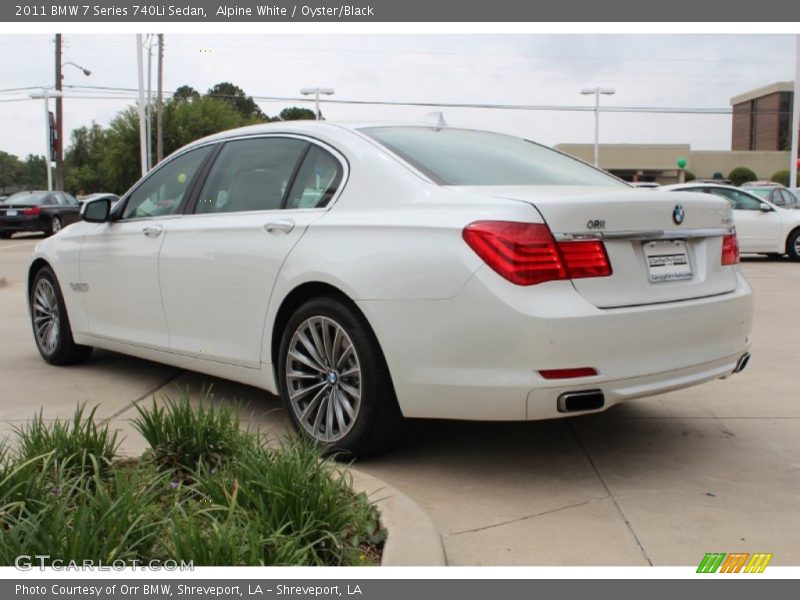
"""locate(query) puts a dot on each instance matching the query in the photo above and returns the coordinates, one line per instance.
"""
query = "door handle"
(280, 226)
(152, 231)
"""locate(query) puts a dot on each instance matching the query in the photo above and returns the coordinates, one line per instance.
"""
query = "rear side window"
(250, 175)
(463, 157)
(317, 180)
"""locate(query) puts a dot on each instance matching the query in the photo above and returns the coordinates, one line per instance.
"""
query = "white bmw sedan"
(761, 227)
(368, 273)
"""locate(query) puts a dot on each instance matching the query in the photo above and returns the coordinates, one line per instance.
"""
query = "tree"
(295, 113)
(184, 122)
(741, 175)
(34, 173)
(185, 92)
(83, 160)
(10, 170)
(235, 96)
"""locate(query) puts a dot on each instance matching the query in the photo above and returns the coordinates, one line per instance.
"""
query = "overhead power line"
(97, 92)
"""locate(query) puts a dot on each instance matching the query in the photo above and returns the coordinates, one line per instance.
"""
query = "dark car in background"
(46, 212)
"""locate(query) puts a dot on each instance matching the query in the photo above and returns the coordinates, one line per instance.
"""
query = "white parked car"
(372, 272)
(762, 227)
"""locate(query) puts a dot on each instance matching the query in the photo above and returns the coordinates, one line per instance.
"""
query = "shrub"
(689, 176)
(67, 444)
(741, 175)
(215, 495)
(182, 436)
(782, 177)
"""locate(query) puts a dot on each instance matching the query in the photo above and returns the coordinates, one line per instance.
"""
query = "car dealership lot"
(661, 480)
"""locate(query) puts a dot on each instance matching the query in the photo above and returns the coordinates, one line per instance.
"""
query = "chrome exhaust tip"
(581, 400)
(742, 362)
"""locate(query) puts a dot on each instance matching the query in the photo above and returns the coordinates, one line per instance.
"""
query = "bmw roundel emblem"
(678, 214)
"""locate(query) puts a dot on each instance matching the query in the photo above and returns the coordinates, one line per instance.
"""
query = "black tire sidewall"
(51, 231)
(65, 351)
(790, 246)
(377, 394)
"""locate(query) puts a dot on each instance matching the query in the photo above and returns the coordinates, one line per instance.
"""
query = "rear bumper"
(477, 355)
(34, 224)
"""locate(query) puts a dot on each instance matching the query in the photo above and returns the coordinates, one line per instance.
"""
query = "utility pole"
(59, 120)
(160, 101)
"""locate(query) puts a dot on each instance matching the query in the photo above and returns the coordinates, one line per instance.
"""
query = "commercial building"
(658, 162)
(762, 118)
(761, 140)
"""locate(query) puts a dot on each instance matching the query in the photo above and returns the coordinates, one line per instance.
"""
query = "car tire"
(339, 393)
(50, 322)
(55, 226)
(793, 245)
(5, 236)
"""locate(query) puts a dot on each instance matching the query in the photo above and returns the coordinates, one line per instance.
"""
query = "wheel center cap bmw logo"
(332, 378)
(678, 215)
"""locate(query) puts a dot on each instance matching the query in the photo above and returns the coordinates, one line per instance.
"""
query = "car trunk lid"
(662, 247)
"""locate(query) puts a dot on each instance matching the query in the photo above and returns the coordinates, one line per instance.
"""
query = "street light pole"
(597, 90)
(142, 129)
(316, 91)
(59, 121)
(795, 119)
(46, 94)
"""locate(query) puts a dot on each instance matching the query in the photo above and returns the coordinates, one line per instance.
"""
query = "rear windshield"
(25, 199)
(466, 157)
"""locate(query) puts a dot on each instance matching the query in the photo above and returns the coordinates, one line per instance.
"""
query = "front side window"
(163, 191)
(463, 157)
(738, 200)
(250, 175)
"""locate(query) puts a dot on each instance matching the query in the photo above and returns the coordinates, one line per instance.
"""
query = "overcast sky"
(646, 70)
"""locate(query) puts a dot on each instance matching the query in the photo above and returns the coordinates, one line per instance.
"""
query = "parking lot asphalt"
(659, 481)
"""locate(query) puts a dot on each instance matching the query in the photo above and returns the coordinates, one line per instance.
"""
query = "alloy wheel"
(323, 379)
(44, 307)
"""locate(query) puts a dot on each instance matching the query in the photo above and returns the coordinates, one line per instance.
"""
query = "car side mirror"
(97, 211)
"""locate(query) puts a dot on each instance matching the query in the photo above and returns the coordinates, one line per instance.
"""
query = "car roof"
(693, 184)
(309, 127)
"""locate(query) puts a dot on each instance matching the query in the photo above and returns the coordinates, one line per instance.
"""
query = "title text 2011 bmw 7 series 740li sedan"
(368, 273)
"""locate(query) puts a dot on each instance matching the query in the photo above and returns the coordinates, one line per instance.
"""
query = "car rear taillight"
(730, 250)
(32, 211)
(585, 258)
(527, 253)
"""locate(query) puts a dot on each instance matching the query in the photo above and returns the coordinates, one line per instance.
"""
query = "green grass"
(205, 492)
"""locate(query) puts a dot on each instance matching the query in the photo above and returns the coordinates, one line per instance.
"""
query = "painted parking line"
(18, 245)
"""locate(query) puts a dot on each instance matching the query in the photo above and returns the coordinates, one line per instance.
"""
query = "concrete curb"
(413, 539)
